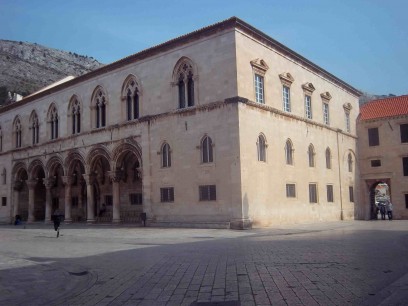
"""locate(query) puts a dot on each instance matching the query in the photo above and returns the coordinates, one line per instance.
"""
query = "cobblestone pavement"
(339, 263)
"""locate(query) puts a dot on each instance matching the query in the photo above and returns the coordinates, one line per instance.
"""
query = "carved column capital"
(49, 182)
(31, 183)
(89, 178)
(115, 176)
(18, 185)
(67, 180)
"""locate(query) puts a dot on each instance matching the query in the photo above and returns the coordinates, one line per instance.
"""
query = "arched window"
(131, 93)
(17, 132)
(289, 152)
(1, 140)
(350, 162)
(328, 159)
(206, 150)
(53, 122)
(166, 155)
(184, 77)
(75, 112)
(34, 126)
(261, 145)
(99, 103)
(4, 176)
(311, 154)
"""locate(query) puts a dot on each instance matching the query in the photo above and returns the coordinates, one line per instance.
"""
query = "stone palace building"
(222, 127)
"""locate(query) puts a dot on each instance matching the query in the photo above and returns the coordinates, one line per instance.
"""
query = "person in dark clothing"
(382, 210)
(56, 218)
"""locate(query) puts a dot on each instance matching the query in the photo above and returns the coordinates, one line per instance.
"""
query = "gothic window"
(53, 122)
(261, 145)
(206, 150)
(328, 159)
(34, 126)
(289, 152)
(350, 162)
(75, 112)
(99, 105)
(311, 154)
(4, 176)
(131, 93)
(184, 79)
(17, 133)
(166, 155)
(1, 140)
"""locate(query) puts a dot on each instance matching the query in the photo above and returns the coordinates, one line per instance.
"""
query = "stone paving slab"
(337, 263)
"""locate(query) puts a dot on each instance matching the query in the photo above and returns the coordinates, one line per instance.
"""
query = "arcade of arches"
(104, 186)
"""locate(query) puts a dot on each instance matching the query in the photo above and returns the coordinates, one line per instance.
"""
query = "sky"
(362, 42)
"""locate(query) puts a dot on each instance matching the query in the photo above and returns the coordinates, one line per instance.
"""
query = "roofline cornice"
(230, 23)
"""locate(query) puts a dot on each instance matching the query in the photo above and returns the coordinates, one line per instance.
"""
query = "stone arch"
(74, 114)
(122, 150)
(128, 83)
(19, 171)
(184, 64)
(185, 76)
(95, 153)
(53, 163)
(34, 167)
(98, 105)
(71, 162)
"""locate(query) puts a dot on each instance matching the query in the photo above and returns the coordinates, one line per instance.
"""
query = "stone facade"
(383, 156)
(223, 127)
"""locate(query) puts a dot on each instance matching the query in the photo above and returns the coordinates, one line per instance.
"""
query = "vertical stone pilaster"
(31, 197)
(48, 199)
(115, 176)
(90, 211)
(18, 186)
(67, 180)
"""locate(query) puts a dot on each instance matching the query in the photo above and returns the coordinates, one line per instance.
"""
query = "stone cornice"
(229, 24)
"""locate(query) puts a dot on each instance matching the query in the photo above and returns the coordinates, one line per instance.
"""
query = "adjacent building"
(382, 128)
(222, 127)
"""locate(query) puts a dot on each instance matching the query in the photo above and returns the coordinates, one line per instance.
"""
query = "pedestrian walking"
(56, 218)
(389, 210)
(382, 210)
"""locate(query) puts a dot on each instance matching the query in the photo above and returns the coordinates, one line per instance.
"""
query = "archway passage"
(380, 193)
(39, 196)
(21, 194)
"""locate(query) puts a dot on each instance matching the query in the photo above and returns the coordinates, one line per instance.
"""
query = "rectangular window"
(290, 190)
(135, 199)
(373, 138)
(259, 88)
(286, 99)
(326, 118)
(330, 193)
(348, 128)
(406, 201)
(74, 202)
(1, 142)
(3, 201)
(208, 193)
(404, 133)
(167, 194)
(108, 200)
(376, 163)
(405, 165)
(312, 193)
(351, 193)
(308, 107)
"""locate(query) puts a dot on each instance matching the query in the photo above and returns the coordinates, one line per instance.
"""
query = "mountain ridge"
(27, 67)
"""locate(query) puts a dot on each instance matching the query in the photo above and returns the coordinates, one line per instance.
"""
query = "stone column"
(115, 176)
(18, 186)
(31, 197)
(67, 181)
(48, 199)
(89, 179)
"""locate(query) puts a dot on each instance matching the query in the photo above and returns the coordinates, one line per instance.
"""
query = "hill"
(27, 67)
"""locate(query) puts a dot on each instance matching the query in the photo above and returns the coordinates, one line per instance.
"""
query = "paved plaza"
(338, 263)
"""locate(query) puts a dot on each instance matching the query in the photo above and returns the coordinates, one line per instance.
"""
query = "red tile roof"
(384, 108)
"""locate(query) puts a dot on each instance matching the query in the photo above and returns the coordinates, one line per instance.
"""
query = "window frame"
(373, 137)
(261, 146)
(207, 193)
(165, 155)
(291, 190)
(405, 165)
(308, 107)
(326, 113)
(206, 150)
(351, 194)
(330, 193)
(328, 158)
(404, 132)
(313, 193)
(259, 83)
(166, 194)
(287, 107)
(311, 155)
(289, 158)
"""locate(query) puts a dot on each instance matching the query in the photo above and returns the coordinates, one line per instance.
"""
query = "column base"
(241, 224)
(90, 221)
(116, 221)
(68, 221)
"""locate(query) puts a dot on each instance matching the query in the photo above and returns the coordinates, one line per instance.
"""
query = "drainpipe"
(341, 187)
